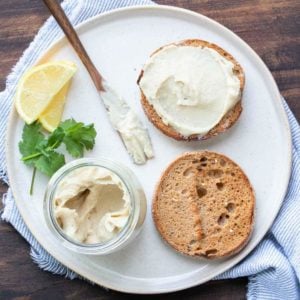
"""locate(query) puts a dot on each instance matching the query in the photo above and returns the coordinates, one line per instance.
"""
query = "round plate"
(119, 42)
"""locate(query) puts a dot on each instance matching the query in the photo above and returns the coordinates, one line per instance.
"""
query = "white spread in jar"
(91, 205)
(190, 88)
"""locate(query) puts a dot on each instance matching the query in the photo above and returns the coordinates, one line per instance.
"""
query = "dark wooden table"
(271, 28)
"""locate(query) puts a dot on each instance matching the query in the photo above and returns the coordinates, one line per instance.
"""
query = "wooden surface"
(271, 28)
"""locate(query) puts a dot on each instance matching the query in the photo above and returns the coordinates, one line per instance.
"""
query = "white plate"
(119, 43)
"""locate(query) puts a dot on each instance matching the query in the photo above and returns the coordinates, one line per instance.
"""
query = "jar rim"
(96, 248)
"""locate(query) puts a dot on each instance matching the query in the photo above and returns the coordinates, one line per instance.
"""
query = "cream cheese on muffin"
(190, 88)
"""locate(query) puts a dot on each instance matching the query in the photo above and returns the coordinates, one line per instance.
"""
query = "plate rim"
(280, 109)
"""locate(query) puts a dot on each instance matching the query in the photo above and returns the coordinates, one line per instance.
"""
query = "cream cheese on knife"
(134, 135)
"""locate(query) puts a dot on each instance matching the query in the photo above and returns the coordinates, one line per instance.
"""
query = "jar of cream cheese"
(94, 206)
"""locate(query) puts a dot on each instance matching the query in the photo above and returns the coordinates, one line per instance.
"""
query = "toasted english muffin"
(203, 205)
(226, 122)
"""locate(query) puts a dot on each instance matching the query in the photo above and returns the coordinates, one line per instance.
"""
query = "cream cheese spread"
(134, 135)
(91, 205)
(190, 88)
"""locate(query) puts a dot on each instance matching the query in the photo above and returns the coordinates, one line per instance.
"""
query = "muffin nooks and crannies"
(192, 89)
(204, 205)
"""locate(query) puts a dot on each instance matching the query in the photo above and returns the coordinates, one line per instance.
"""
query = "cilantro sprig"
(39, 151)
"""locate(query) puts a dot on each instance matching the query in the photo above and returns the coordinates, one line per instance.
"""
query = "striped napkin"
(273, 267)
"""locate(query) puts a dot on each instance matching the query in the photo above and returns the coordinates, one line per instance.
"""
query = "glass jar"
(136, 216)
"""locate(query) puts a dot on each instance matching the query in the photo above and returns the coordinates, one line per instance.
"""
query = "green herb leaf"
(78, 136)
(55, 138)
(51, 163)
(31, 139)
(73, 147)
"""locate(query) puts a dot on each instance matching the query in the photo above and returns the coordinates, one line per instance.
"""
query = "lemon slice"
(38, 87)
(51, 116)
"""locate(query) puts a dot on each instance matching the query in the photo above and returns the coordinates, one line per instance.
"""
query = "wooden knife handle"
(74, 40)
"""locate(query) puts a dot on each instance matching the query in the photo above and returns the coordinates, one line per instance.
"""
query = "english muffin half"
(226, 121)
(203, 205)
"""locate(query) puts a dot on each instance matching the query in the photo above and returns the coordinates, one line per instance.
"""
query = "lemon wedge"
(39, 86)
(51, 116)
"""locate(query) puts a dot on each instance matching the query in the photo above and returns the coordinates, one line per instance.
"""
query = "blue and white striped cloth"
(273, 267)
